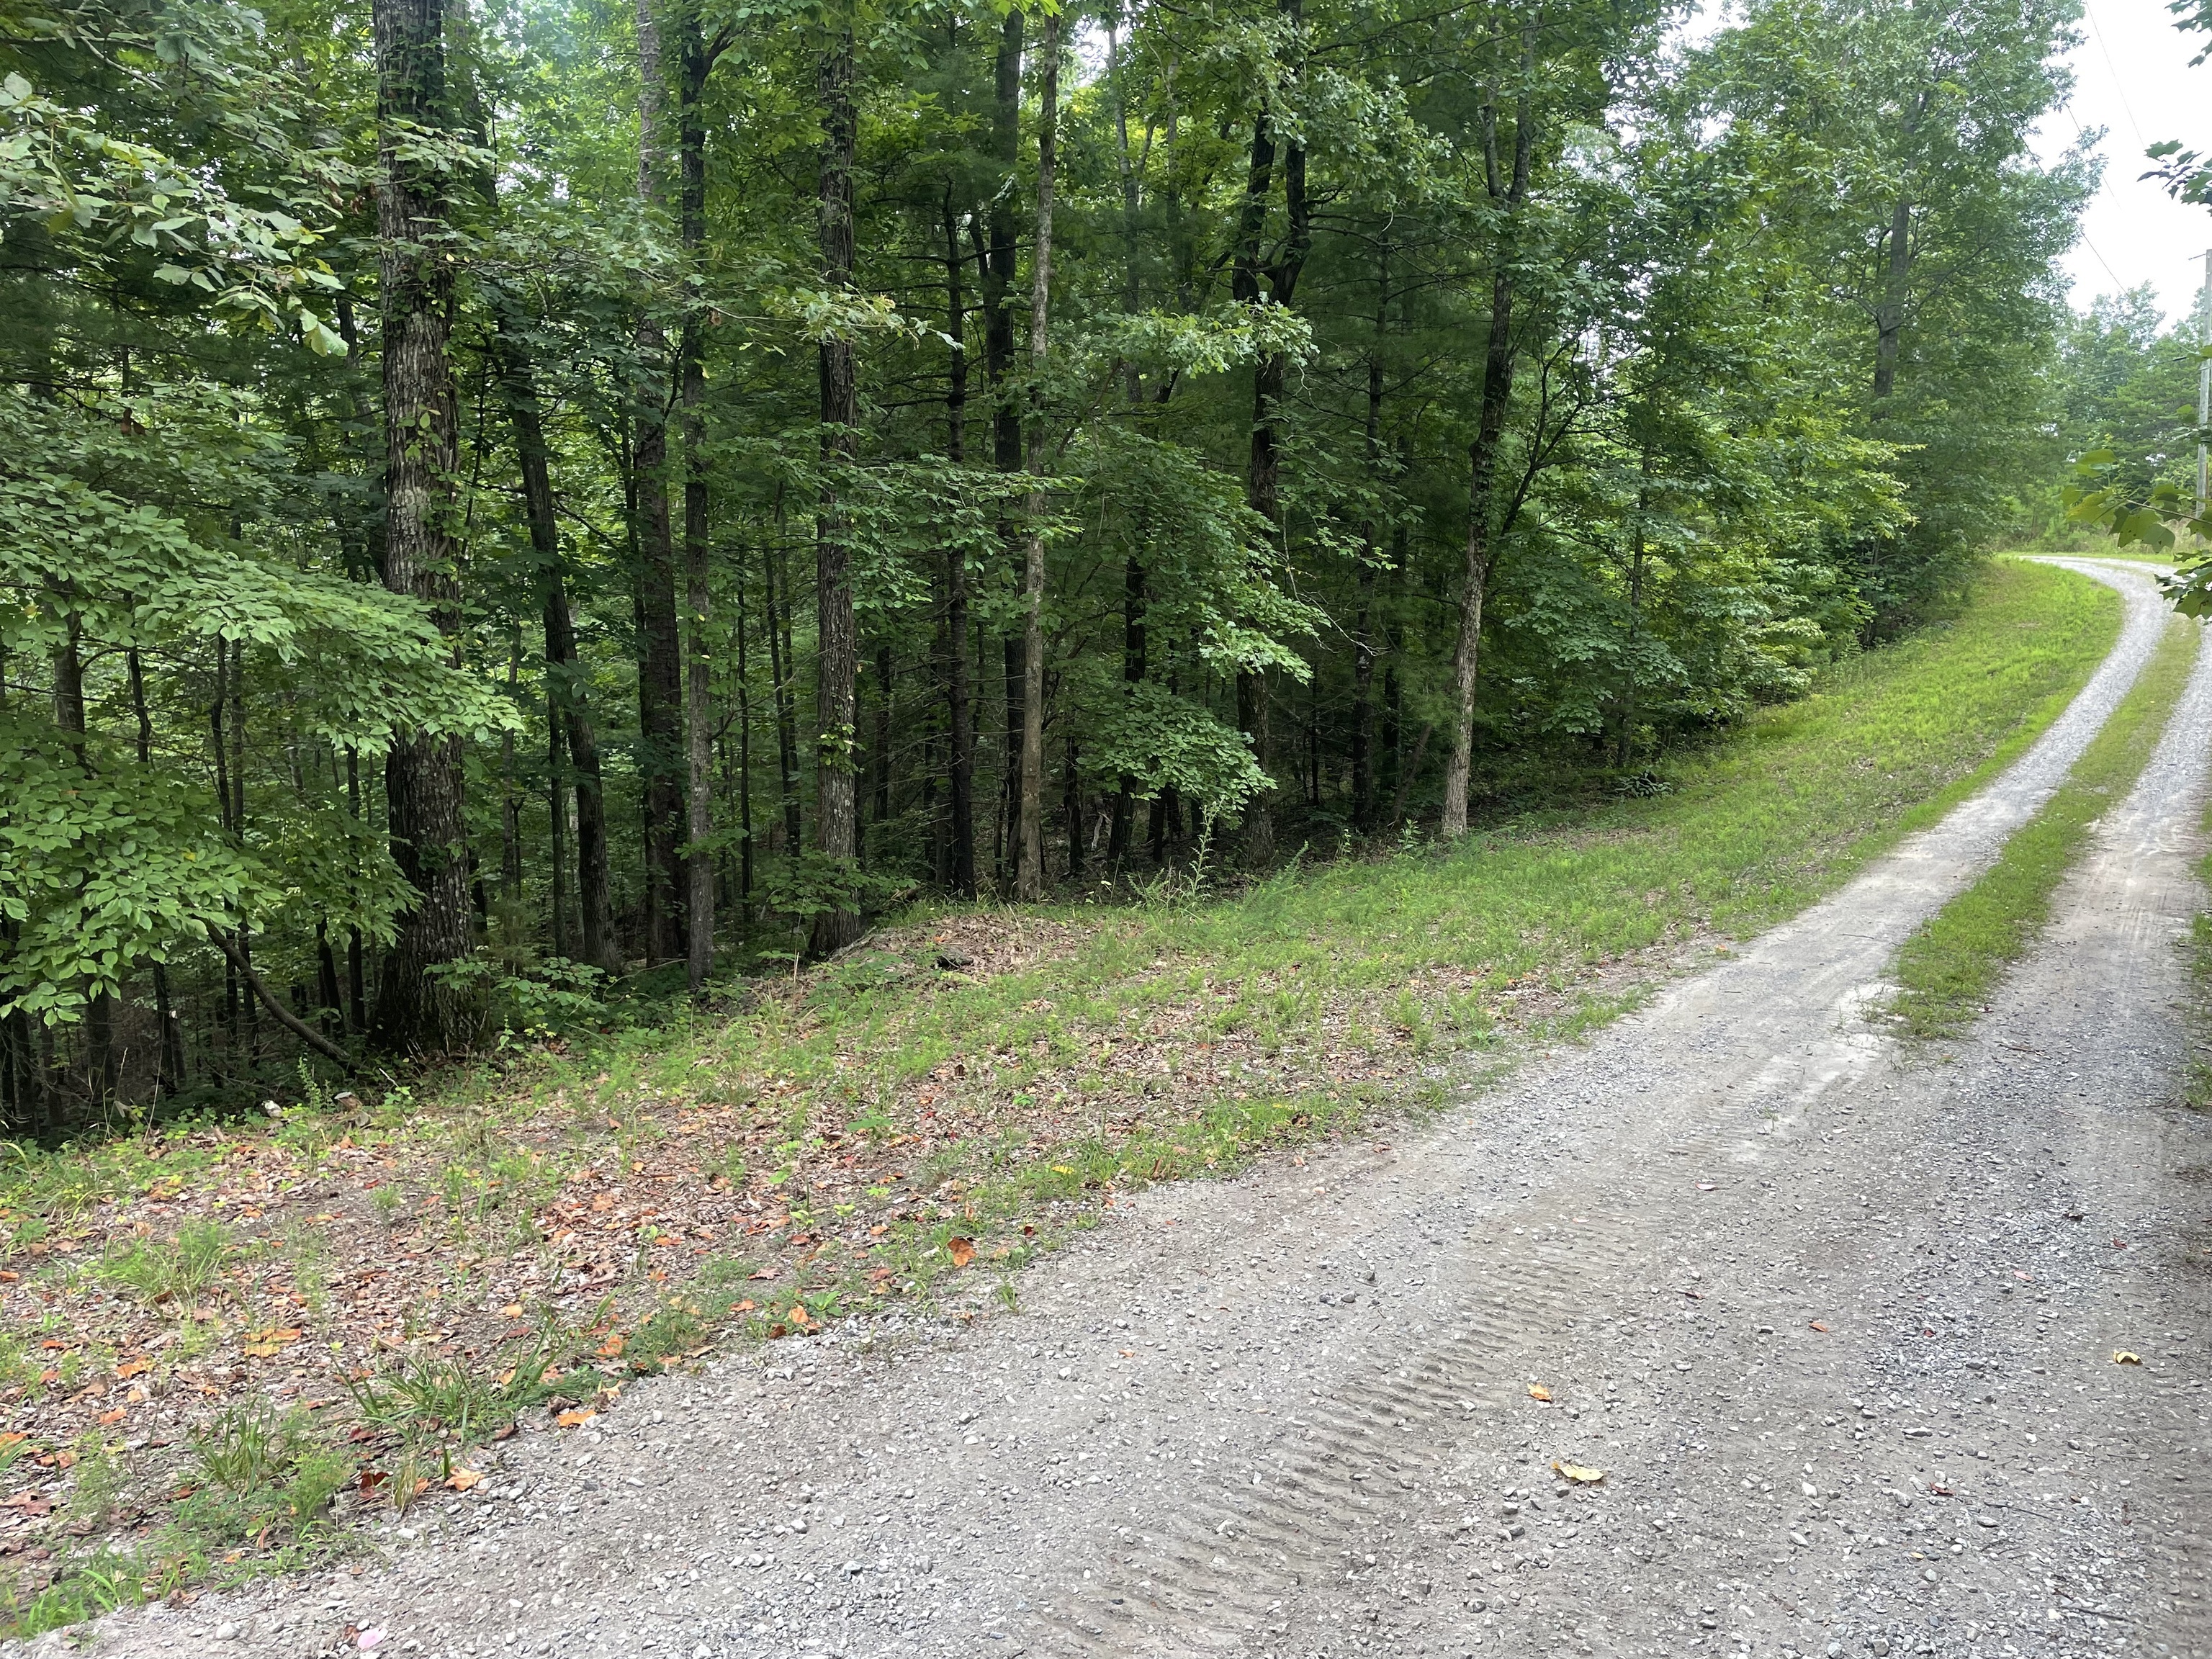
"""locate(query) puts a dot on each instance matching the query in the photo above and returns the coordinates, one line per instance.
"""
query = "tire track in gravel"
(1772, 1032)
(1280, 1415)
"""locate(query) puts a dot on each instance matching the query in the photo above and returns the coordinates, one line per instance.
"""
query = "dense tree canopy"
(499, 493)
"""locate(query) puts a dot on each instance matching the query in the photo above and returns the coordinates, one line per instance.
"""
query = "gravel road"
(1837, 1319)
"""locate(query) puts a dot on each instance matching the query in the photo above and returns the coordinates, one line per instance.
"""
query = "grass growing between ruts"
(908, 1125)
(1946, 969)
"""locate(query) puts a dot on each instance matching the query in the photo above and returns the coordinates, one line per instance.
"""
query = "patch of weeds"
(110, 1578)
(263, 1476)
(682, 1324)
(434, 1405)
(305, 1249)
(179, 1270)
(97, 1481)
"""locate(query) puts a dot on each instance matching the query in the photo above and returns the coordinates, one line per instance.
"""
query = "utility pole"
(2203, 378)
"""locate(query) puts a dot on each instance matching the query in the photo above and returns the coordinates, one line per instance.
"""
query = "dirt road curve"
(1837, 1321)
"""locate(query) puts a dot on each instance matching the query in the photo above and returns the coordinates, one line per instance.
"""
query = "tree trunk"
(698, 62)
(782, 678)
(1133, 673)
(423, 770)
(556, 812)
(1362, 625)
(661, 650)
(881, 759)
(1254, 278)
(356, 948)
(1499, 361)
(169, 1068)
(999, 263)
(744, 755)
(1889, 315)
(1030, 871)
(960, 762)
(838, 668)
(510, 798)
(567, 708)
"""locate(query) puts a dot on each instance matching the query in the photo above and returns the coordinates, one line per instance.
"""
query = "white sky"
(2131, 77)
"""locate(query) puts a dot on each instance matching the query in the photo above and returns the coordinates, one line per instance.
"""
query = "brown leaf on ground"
(961, 1250)
(1538, 1391)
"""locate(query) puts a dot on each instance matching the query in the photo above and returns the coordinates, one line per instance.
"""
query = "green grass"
(1754, 828)
(1948, 968)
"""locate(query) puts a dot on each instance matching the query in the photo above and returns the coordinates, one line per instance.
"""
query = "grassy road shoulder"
(227, 1344)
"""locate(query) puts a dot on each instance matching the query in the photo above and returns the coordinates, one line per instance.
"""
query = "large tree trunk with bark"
(1029, 873)
(1253, 278)
(960, 766)
(697, 61)
(1889, 315)
(1499, 360)
(836, 819)
(661, 650)
(422, 772)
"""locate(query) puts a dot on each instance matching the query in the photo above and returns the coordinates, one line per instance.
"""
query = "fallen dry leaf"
(961, 1250)
(462, 1479)
(512, 1310)
(1538, 1391)
(575, 1419)
(2121, 1357)
(1579, 1473)
(1817, 1325)
(799, 1316)
(611, 1346)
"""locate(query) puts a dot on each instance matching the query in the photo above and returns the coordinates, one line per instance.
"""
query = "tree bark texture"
(1889, 315)
(837, 672)
(1255, 277)
(960, 763)
(1499, 360)
(697, 61)
(1030, 871)
(422, 771)
(661, 651)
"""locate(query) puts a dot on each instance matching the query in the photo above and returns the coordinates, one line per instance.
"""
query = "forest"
(510, 508)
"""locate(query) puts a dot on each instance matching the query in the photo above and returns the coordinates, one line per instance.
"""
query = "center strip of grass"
(1946, 969)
